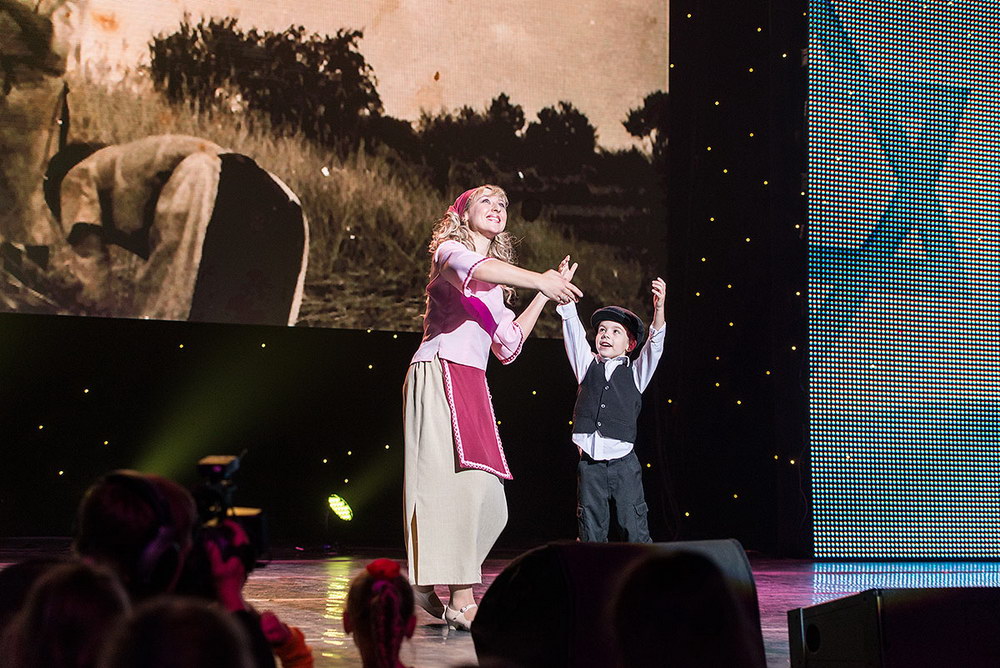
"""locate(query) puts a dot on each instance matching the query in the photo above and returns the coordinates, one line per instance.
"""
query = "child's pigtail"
(387, 627)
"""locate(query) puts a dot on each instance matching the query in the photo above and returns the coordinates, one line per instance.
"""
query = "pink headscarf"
(460, 203)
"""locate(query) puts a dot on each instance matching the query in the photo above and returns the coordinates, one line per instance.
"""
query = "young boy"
(607, 409)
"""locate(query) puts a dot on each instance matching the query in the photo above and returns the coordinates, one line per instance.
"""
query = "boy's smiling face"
(612, 339)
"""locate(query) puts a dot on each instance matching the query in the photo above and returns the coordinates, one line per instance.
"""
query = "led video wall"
(904, 253)
(284, 162)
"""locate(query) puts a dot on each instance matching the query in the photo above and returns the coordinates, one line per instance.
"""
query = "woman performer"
(454, 500)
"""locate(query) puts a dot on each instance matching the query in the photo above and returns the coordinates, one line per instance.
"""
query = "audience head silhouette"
(68, 614)
(676, 609)
(139, 526)
(178, 632)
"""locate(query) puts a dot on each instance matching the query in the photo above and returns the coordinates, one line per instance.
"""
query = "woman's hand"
(558, 288)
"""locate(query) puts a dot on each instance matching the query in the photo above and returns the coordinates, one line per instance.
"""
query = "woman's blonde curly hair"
(452, 227)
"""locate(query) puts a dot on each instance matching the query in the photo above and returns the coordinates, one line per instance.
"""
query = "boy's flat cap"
(632, 323)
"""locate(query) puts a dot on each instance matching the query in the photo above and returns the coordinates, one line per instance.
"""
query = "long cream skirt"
(452, 516)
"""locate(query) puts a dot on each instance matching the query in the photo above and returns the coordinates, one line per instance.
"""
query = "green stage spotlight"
(340, 507)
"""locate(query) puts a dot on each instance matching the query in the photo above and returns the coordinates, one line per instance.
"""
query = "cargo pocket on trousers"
(641, 509)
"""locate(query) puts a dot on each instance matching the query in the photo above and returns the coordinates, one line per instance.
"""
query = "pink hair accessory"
(461, 201)
(383, 569)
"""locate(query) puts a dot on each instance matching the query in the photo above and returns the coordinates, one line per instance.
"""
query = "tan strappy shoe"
(457, 619)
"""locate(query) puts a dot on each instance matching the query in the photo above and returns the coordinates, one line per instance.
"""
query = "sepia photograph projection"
(284, 162)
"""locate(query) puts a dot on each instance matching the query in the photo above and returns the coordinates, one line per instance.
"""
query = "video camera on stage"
(214, 499)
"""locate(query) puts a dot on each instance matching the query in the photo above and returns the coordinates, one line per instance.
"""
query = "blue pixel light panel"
(904, 278)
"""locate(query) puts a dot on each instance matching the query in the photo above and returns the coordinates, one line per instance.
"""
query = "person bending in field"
(176, 227)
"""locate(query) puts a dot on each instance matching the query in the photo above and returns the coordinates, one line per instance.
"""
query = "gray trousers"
(599, 483)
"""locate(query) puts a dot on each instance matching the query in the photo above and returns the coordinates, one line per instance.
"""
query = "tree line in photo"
(322, 87)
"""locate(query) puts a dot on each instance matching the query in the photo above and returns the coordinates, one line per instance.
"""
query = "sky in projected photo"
(604, 57)
(373, 133)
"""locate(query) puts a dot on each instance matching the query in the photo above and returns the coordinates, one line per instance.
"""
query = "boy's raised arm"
(649, 356)
(574, 335)
(575, 340)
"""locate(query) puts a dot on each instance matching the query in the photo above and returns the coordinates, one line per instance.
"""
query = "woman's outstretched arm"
(550, 283)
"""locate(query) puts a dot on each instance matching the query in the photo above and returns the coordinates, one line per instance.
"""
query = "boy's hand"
(659, 292)
(659, 302)
(566, 291)
(567, 271)
(556, 287)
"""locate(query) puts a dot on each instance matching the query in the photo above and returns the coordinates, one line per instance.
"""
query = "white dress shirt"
(581, 356)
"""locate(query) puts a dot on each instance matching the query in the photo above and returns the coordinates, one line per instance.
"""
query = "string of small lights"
(736, 398)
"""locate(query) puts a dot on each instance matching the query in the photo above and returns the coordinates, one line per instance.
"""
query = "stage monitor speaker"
(899, 628)
(550, 606)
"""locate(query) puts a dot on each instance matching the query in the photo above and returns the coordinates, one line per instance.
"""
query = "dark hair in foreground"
(68, 614)
(138, 525)
(16, 581)
(178, 632)
(676, 609)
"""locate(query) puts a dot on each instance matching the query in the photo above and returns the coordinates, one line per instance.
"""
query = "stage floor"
(309, 593)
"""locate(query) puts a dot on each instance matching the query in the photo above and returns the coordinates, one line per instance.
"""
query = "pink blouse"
(465, 317)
